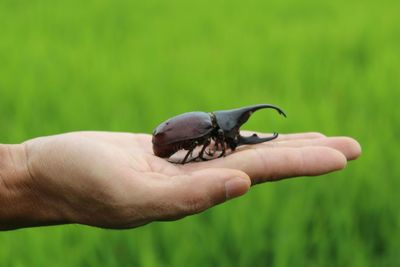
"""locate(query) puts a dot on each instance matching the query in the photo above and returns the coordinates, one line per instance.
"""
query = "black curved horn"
(234, 118)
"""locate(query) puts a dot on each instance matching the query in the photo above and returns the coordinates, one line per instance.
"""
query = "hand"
(113, 180)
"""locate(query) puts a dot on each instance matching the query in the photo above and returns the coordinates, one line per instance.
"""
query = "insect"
(190, 130)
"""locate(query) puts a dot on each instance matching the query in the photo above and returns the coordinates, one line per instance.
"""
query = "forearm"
(21, 202)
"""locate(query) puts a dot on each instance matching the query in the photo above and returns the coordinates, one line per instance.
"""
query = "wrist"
(22, 203)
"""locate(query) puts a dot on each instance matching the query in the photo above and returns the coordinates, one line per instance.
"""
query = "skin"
(113, 180)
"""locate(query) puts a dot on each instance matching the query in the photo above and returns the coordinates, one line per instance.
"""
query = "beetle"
(189, 130)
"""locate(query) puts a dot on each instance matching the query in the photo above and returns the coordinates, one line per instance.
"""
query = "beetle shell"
(180, 131)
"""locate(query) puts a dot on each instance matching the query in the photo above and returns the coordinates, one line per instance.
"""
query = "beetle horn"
(228, 120)
(254, 139)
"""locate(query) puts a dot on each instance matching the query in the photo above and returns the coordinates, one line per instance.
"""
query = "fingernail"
(236, 187)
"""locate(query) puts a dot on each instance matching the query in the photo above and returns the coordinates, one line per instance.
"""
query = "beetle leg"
(190, 152)
(201, 153)
(214, 148)
(211, 151)
(205, 145)
(223, 151)
(221, 141)
(187, 156)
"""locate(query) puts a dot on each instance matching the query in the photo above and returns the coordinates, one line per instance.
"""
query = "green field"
(333, 66)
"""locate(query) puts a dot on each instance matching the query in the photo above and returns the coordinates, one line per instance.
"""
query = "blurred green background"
(333, 66)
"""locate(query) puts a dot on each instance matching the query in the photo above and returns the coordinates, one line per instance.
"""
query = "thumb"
(203, 189)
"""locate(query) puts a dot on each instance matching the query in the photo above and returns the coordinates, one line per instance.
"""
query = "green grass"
(127, 65)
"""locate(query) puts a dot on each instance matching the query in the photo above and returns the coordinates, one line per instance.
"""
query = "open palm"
(114, 180)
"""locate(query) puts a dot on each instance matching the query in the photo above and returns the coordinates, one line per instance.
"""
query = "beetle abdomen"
(167, 150)
(183, 127)
(180, 132)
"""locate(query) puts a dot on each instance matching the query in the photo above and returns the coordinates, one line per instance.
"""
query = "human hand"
(113, 180)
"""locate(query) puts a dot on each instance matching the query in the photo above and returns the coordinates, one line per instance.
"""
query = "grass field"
(333, 66)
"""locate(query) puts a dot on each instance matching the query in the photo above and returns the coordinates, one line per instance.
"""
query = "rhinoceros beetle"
(192, 129)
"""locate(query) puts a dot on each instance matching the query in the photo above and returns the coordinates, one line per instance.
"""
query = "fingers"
(189, 194)
(309, 135)
(346, 145)
(283, 137)
(270, 163)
